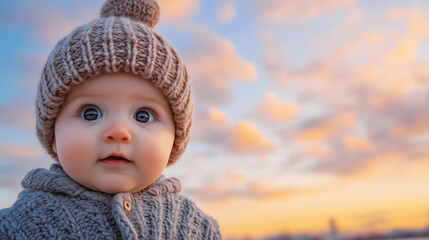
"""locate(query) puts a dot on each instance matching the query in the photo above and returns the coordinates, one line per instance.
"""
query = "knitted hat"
(121, 40)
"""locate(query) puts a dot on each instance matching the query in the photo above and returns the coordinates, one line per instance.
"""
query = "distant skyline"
(304, 111)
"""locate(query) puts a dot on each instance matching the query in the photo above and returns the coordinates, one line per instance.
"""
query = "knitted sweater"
(53, 206)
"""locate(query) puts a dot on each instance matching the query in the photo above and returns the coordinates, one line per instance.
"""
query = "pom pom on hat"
(146, 11)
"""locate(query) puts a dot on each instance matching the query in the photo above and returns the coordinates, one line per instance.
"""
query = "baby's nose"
(117, 132)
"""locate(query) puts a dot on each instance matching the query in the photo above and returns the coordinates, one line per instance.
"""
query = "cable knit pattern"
(122, 40)
(53, 206)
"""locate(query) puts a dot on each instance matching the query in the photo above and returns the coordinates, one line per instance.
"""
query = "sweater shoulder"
(201, 225)
(29, 206)
(28, 202)
(35, 215)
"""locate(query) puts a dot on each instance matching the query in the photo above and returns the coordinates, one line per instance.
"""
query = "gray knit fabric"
(53, 206)
(121, 40)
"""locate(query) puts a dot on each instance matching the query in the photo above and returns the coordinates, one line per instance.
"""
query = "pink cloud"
(319, 150)
(246, 138)
(411, 130)
(210, 191)
(327, 129)
(20, 151)
(213, 64)
(50, 22)
(227, 12)
(20, 113)
(292, 12)
(414, 18)
(236, 176)
(278, 63)
(210, 125)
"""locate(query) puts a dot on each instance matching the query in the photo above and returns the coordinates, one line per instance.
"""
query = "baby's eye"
(144, 116)
(91, 113)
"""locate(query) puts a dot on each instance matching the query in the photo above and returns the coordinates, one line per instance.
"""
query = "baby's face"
(114, 133)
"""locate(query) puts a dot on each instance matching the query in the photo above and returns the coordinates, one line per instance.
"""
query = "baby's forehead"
(114, 85)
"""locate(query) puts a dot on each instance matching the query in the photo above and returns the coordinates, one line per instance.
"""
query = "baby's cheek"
(72, 147)
(156, 151)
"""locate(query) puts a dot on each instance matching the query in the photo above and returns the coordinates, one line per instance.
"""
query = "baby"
(114, 109)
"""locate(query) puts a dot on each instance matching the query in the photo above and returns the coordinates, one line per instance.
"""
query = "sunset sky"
(304, 111)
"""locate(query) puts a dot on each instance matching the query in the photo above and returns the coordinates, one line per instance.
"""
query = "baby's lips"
(116, 156)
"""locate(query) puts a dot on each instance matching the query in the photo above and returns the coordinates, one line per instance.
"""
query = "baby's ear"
(54, 147)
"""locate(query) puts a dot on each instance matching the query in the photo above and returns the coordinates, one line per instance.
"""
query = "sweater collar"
(55, 180)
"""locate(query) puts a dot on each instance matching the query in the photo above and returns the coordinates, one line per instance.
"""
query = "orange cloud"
(246, 138)
(172, 11)
(267, 190)
(357, 143)
(274, 110)
(316, 134)
(377, 165)
(329, 128)
(217, 117)
(421, 166)
(404, 51)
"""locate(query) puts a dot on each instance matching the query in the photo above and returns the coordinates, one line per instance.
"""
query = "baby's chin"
(113, 183)
(114, 186)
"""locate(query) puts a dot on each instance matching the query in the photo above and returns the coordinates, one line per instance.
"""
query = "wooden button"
(127, 205)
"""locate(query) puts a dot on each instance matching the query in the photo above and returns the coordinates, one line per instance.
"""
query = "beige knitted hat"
(121, 40)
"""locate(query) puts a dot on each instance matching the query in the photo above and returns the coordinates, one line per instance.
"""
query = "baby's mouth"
(115, 160)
